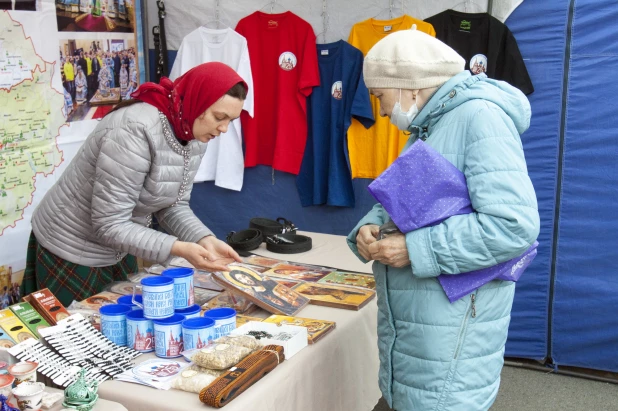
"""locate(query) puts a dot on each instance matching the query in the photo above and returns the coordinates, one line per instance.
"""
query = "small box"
(48, 306)
(5, 340)
(29, 316)
(14, 327)
(297, 336)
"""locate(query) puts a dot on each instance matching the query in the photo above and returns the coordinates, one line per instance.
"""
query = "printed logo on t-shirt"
(478, 64)
(337, 90)
(287, 60)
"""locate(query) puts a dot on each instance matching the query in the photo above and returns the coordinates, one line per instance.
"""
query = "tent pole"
(490, 6)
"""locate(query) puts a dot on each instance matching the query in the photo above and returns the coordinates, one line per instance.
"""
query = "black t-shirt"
(486, 44)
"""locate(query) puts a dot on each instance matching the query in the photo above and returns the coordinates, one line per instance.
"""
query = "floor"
(530, 390)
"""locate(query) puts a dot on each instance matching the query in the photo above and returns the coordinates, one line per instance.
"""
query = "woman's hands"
(391, 251)
(209, 254)
(367, 235)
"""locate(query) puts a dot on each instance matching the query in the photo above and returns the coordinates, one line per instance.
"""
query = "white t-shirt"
(223, 161)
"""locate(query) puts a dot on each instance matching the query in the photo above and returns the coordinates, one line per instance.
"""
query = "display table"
(338, 373)
(101, 405)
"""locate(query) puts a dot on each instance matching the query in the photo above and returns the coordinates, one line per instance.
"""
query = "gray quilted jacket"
(130, 167)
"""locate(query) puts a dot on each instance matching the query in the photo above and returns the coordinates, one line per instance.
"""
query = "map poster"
(35, 140)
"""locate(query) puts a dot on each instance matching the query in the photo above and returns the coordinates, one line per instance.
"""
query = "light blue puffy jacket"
(435, 355)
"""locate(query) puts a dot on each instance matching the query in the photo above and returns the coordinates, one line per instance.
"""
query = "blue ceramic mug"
(168, 336)
(114, 322)
(190, 312)
(225, 320)
(140, 332)
(128, 300)
(197, 332)
(183, 286)
(157, 296)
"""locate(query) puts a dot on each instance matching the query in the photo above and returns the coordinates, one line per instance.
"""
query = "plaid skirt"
(68, 281)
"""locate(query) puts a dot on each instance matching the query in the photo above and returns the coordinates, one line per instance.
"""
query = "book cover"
(98, 300)
(299, 272)
(14, 327)
(316, 329)
(335, 296)
(29, 316)
(226, 299)
(243, 319)
(120, 287)
(262, 291)
(350, 279)
(48, 306)
(287, 282)
(261, 261)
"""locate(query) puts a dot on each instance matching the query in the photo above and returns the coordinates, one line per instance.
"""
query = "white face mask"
(400, 119)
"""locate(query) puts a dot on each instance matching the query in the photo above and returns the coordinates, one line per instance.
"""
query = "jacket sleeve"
(506, 221)
(377, 216)
(121, 168)
(181, 221)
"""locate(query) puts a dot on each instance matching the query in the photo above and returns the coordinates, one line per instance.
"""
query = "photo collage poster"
(47, 116)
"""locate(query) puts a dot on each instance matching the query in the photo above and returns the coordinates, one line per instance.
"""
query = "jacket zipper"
(471, 312)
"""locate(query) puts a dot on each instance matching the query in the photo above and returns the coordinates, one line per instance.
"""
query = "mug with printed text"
(157, 297)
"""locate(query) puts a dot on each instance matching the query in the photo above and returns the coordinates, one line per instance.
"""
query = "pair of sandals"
(280, 236)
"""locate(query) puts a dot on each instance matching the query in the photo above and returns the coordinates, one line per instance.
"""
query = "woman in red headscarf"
(140, 161)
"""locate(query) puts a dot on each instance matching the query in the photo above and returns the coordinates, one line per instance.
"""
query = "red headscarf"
(185, 99)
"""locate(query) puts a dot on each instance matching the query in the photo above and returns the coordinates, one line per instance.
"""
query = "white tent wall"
(184, 16)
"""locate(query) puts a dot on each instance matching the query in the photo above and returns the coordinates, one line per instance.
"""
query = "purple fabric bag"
(421, 189)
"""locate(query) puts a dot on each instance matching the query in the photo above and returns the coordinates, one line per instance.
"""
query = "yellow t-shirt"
(89, 64)
(69, 74)
(373, 150)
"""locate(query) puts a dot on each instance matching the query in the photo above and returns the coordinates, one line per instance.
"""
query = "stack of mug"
(164, 318)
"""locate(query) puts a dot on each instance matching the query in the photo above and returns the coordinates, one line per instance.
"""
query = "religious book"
(98, 300)
(299, 272)
(350, 279)
(243, 319)
(287, 282)
(14, 327)
(203, 279)
(316, 329)
(47, 305)
(202, 296)
(258, 260)
(333, 296)
(29, 316)
(262, 291)
(227, 299)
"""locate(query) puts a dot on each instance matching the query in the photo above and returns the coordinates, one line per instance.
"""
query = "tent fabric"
(585, 323)
(542, 44)
(573, 323)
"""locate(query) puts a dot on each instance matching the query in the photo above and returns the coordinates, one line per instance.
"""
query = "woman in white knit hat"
(435, 355)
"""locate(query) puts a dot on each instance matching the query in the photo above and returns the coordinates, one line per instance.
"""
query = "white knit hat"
(412, 60)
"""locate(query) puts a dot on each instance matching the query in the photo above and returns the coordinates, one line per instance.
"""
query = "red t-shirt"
(284, 65)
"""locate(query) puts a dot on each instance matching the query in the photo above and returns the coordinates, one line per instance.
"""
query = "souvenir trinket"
(81, 395)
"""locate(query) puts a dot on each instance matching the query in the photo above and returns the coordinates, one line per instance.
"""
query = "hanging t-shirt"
(223, 161)
(324, 176)
(373, 150)
(285, 69)
(487, 45)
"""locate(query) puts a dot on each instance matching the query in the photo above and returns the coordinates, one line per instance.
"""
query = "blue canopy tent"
(565, 305)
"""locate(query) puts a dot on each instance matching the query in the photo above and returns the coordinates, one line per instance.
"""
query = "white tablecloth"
(101, 405)
(339, 373)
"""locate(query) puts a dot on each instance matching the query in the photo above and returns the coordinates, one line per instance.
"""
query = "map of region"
(30, 120)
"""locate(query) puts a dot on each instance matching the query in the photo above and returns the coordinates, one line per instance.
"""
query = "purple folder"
(421, 189)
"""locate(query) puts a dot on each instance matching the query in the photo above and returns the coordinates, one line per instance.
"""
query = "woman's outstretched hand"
(209, 254)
